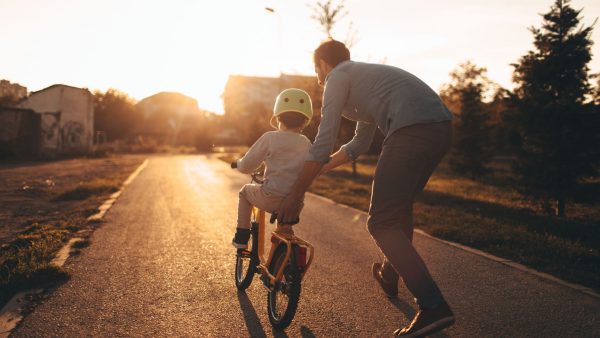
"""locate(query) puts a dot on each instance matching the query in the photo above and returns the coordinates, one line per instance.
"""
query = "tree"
(596, 91)
(472, 143)
(8, 101)
(115, 114)
(327, 14)
(551, 120)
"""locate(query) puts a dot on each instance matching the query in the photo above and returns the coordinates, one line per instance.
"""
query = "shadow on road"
(254, 326)
(306, 332)
(255, 329)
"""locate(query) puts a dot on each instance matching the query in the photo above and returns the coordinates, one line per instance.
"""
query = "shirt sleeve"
(255, 155)
(335, 96)
(360, 143)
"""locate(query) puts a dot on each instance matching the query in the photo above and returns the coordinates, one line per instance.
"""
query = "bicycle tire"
(289, 288)
(245, 265)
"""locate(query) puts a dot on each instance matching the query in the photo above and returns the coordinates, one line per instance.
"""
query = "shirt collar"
(336, 67)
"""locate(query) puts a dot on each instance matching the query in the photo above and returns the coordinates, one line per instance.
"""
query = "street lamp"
(279, 29)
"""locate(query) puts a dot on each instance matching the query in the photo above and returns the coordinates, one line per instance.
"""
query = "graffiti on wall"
(49, 134)
(72, 135)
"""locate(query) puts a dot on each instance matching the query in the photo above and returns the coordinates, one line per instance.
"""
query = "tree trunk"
(560, 207)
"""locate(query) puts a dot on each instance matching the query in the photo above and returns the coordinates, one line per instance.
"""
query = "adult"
(418, 132)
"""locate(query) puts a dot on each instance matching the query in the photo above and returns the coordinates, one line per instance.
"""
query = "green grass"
(25, 262)
(489, 214)
(86, 190)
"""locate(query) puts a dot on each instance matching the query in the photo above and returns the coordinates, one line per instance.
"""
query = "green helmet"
(292, 100)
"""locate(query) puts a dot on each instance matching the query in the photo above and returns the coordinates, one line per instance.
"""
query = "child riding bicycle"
(283, 151)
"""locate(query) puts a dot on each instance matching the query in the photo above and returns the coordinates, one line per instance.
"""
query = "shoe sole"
(239, 246)
(375, 271)
(436, 326)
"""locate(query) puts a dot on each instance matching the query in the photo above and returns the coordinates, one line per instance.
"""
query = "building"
(19, 132)
(169, 118)
(248, 103)
(66, 119)
(242, 92)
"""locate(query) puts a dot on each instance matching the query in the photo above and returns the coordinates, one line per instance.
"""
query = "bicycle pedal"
(265, 282)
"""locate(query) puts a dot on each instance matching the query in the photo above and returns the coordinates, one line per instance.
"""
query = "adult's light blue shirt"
(376, 96)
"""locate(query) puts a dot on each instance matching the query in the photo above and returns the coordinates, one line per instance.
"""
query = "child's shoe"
(240, 240)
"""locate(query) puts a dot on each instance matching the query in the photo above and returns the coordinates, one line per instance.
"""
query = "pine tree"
(472, 139)
(551, 118)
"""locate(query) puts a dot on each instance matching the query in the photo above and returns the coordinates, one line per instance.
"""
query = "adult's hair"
(292, 119)
(332, 52)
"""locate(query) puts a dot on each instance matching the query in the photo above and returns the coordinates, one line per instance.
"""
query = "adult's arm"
(340, 157)
(335, 95)
(360, 143)
(289, 210)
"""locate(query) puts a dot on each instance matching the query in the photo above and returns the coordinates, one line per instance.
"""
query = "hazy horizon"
(142, 48)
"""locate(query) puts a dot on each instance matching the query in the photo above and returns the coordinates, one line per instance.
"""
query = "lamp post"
(279, 38)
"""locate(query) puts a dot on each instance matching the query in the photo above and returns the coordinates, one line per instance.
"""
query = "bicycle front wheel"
(282, 301)
(245, 266)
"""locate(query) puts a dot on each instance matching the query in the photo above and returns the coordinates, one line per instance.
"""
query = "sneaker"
(428, 321)
(389, 285)
(239, 245)
(240, 240)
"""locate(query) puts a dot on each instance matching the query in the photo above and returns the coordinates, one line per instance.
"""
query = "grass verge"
(44, 204)
(88, 189)
(25, 262)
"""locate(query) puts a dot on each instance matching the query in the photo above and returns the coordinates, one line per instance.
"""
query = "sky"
(142, 47)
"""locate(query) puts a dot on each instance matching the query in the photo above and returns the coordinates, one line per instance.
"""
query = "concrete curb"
(480, 253)
(10, 314)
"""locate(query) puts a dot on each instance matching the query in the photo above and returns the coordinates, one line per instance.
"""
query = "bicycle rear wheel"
(245, 264)
(282, 301)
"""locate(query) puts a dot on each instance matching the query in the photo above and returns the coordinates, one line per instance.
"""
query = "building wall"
(19, 132)
(243, 91)
(75, 121)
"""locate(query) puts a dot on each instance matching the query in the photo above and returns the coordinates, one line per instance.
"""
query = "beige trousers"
(254, 195)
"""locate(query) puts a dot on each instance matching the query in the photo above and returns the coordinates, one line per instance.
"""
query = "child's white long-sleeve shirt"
(283, 152)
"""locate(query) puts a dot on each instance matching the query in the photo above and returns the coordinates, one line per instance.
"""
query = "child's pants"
(254, 195)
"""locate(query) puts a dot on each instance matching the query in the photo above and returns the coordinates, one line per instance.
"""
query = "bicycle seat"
(274, 218)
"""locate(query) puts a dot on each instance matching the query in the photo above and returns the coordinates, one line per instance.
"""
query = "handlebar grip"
(234, 165)
(274, 218)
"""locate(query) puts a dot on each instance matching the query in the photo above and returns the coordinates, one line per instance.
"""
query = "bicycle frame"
(258, 217)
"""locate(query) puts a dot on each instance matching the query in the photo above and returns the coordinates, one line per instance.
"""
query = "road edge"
(97, 217)
(505, 261)
(10, 314)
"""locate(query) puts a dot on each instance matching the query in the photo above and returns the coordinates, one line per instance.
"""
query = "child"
(284, 152)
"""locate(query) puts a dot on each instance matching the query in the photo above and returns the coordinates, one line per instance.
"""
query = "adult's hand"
(289, 211)
(336, 160)
(290, 206)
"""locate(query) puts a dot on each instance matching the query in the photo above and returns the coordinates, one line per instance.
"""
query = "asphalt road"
(162, 265)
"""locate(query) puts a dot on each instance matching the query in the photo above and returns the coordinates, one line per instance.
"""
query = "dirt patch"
(61, 193)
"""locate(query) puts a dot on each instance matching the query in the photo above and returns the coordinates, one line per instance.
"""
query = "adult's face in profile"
(321, 70)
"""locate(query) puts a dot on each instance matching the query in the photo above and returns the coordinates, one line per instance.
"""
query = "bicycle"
(281, 272)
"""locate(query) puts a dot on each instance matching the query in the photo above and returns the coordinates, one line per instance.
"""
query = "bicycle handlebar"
(234, 165)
